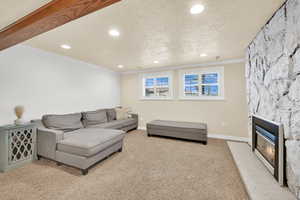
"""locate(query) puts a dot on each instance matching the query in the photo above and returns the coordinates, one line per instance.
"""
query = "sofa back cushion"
(111, 114)
(66, 123)
(94, 117)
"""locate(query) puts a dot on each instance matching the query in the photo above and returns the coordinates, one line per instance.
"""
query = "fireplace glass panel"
(266, 148)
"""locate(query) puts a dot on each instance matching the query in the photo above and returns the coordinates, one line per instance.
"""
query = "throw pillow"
(122, 113)
(111, 114)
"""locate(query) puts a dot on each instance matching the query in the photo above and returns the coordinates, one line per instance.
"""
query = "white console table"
(17, 145)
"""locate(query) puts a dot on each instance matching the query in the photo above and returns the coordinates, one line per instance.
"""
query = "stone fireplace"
(268, 145)
(273, 81)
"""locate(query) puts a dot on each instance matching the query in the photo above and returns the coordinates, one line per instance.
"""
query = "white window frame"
(199, 72)
(145, 76)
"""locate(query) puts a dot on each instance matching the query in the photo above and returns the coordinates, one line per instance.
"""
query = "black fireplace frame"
(274, 129)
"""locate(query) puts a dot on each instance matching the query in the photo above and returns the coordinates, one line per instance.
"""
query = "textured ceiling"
(162, 30)
(12, 10)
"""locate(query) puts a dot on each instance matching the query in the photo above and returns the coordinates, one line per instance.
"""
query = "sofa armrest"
(134, 115)
(47, 140)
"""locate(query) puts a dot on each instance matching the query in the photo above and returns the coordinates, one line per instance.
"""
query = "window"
(191, 85)
(202, 84)
(157, 86)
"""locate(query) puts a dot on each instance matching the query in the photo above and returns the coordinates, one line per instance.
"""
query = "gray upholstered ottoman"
(181, 130)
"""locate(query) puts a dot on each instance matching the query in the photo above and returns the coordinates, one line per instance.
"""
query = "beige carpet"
(147, 169)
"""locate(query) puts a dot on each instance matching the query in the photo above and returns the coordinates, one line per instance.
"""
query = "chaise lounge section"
(82, 139)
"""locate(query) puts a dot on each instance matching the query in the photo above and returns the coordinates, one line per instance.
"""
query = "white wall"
(49, 83)
(226, 117)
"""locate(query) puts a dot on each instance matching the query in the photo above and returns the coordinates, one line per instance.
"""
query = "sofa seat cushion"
(118, 124)
(88, 142)
(66, 123)
(94, 117)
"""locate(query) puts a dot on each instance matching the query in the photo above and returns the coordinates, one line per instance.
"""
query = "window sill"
(202, 99)
(156, 99)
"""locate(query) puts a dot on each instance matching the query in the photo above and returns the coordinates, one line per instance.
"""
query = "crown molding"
(225, 62)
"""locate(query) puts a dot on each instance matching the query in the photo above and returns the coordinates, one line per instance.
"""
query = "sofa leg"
(204, 142)
(84, 171)
(121, 149)
(58, 164)
(38, 157)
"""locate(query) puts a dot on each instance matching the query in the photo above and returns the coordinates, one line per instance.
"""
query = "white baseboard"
(228, 137)
(220, 136)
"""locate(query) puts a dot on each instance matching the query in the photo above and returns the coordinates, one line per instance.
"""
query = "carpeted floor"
(147, 169)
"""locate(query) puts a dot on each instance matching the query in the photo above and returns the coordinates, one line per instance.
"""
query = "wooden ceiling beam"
(48, 17)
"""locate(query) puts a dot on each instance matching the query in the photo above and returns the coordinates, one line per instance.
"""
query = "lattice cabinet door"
(17, 144)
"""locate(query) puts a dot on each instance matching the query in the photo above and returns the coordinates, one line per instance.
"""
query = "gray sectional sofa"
(82, 139)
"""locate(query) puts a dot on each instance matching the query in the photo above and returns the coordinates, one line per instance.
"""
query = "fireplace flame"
(270, 151)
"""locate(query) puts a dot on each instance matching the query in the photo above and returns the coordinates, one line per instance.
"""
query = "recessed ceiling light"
(197, 9)
(156, 62)
(120, 66)
(114, 33)
(65, 46)
(203, 55)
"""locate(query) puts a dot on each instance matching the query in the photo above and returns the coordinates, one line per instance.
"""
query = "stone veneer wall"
(273, 80)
